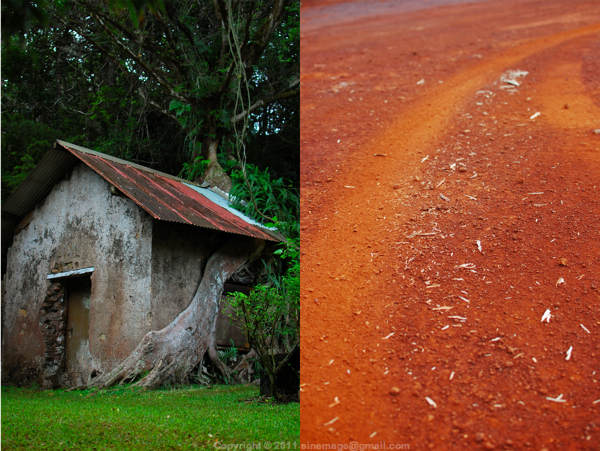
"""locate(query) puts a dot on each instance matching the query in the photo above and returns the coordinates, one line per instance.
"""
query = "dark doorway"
(78, 359)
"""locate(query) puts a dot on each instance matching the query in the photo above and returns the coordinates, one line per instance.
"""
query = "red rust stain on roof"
(168, 199)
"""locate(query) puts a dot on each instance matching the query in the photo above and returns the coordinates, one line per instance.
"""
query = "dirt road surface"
(450, 202)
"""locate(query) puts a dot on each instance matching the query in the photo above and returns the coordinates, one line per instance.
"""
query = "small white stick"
(584, 328)
(496, 339)
(337, 401)
(596, 401)
(464, 299)
(547, 316)
(373, 434)
(332, 421)
(569, 351)
(451, 375)
(431, 402)
(385, 338)
(423, 160)
(445, 327)
(478, 245)
(533, 116)
(330, 362)
(558, 399)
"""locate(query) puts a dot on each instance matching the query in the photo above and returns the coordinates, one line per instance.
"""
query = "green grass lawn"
(120, 419)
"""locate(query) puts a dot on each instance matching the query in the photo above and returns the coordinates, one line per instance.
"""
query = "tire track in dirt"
(350, 265)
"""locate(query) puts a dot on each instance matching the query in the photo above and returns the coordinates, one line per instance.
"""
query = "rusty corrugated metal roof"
(163, 196)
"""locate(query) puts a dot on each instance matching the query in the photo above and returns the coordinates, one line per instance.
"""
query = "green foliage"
(192, 170)
(276, 199)
(123, 418)
(137, 9)
(271, 318)
(228, 355)
(154, 97)
(17, 16)
(24, 143)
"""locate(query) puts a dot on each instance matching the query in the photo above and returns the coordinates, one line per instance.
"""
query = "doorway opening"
(78, 362)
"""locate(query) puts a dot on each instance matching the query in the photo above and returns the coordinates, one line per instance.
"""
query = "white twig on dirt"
(421, 81)
(431, 402)
(534, 115)
(464, 299)
(569, 351)
(474, 175)
(451, 376)
(496, 339)
(471, 197)
(457, 317)
(332, 421)
(559, 281)
(445, 327)
(440, 184)
(337, 401)
(533, 194)
(557, 399)
(349, 186)
(373, 434)
(547, 316)
(330, 362)
(385, 338)
(534, 359)
(479, 245)
(423, 160)
(466, 265)
(445, 307)
(596, 401)
(585, 328)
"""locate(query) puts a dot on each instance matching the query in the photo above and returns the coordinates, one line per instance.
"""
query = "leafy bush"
(271, 318)
(275, 199)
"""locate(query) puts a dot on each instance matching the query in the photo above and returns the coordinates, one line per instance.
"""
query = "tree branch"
(151, 72)
(263, 35)
(266, 101)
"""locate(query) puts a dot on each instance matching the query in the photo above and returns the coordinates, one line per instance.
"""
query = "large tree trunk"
(172, 353)
(214, 173)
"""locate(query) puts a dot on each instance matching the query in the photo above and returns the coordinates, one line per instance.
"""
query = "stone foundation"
(53, 320)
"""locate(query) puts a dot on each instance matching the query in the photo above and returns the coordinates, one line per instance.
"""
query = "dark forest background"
(191, 88)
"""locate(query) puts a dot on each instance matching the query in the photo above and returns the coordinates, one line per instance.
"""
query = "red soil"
(398, 301)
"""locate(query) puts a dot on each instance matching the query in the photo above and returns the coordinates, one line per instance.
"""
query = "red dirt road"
(442, 216)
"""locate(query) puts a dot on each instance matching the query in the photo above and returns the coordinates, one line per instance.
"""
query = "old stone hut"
(97, 252)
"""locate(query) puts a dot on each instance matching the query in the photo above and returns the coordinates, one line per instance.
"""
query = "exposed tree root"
(172, 353)
(241, 373)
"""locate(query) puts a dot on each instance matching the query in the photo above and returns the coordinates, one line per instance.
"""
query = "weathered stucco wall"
(80, 224)
(179, 254)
